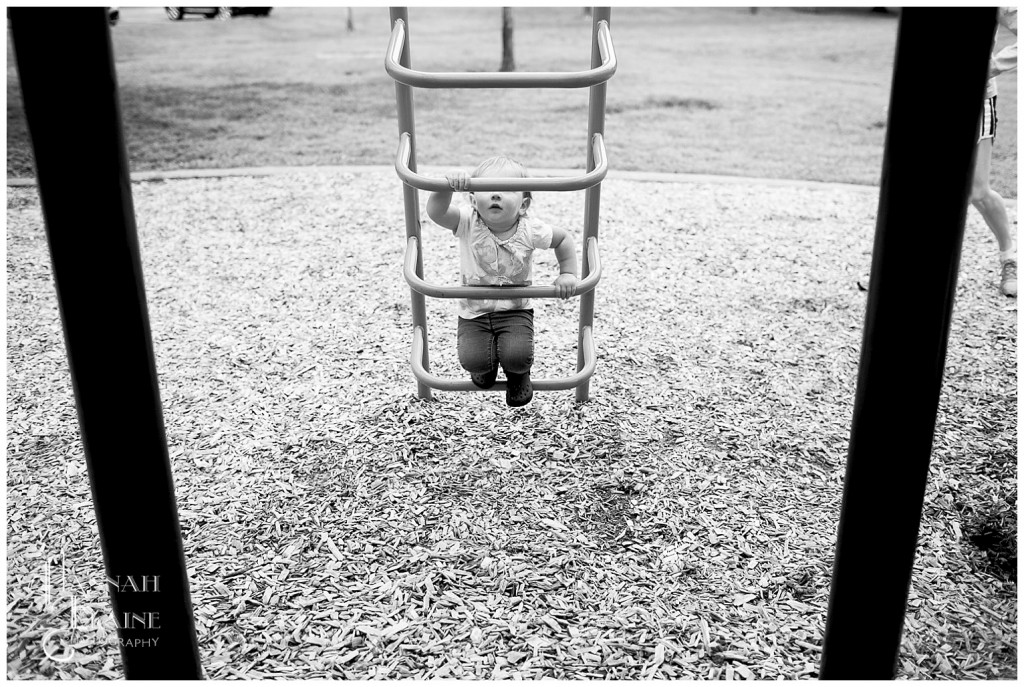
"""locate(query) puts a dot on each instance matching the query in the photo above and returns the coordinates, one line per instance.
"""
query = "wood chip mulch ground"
(680, 524)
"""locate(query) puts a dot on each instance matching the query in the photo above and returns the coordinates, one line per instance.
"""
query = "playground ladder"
(603, 65)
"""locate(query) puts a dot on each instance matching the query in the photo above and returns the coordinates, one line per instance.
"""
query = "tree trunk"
(350, 23)
(508, 62)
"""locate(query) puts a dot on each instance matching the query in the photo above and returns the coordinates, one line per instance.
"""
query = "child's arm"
(565, 251)
(439, 205)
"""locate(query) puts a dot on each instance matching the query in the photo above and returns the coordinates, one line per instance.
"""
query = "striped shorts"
(988, 120)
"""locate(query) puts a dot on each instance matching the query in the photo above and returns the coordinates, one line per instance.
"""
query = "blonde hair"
(501, 162)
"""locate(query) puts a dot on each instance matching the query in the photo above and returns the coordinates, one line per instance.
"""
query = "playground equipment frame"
(85, 193)
(904, 345)
(603, 65)
(602, 70)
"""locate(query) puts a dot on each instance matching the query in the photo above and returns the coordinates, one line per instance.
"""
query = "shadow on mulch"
(993, 532)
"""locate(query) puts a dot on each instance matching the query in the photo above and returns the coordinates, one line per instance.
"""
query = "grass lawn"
(781, 93)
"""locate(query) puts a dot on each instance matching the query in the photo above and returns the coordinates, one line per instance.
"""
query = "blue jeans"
(504, 337)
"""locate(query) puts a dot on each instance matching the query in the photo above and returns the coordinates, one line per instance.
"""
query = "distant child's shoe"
(1008, 282)
(486, 380)
(519, 391)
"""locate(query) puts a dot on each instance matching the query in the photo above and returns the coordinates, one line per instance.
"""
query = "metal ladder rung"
(575, 183)
(450, 384)
(419, 285)
(411, 77)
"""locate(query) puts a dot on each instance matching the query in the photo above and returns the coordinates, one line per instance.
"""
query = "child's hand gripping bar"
(577, 183)
(502, 292)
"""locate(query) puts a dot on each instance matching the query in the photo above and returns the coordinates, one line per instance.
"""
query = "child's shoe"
(519, 391)
(485, 380)
(1008, 280)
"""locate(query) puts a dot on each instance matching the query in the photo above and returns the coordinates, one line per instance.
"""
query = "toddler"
(496, 244)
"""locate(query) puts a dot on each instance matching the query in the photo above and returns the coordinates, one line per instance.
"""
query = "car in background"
(178, 13)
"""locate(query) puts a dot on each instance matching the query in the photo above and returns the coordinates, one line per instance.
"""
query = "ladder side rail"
(592, 202)
(419, 285)
(451, 384)
(407, 127)
(595, 174)
(602, 69)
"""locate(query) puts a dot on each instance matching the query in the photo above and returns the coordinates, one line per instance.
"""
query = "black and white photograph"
(533, 342)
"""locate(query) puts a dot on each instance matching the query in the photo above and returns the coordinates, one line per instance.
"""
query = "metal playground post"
(935, 106)
(74, 120)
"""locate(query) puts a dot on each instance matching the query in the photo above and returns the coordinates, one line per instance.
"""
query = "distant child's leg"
(478, 350)
(990, 204)
(515, 351)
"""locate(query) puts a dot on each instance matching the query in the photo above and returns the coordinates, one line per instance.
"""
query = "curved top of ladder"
(410, 77)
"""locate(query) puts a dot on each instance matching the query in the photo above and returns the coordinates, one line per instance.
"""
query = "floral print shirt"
(487, 261)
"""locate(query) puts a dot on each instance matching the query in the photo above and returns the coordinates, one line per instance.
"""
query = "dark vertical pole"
(592, 196)
(66, 69)
(935, 105)
(407, 124)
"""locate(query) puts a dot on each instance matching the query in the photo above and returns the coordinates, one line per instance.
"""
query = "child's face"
(500, 210)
